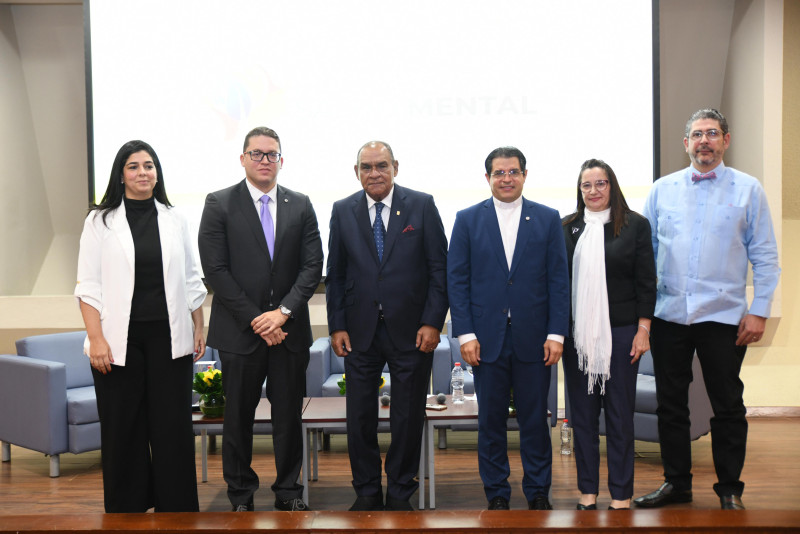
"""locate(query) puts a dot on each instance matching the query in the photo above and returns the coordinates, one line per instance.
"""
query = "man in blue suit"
(387, 301)
(508, 286)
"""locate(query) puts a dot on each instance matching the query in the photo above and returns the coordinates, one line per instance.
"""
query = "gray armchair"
(645, 420)
(49, 384)
(325, 369)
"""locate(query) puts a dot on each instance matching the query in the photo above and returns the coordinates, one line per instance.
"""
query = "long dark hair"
(116, 189)
(616, 200)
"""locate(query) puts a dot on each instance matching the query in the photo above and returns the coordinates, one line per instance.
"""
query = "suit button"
(511, 282)
(505, 311)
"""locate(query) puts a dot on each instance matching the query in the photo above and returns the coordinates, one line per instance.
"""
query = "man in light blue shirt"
(708, 221)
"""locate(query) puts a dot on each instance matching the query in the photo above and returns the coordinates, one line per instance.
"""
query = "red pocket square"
(408, 228)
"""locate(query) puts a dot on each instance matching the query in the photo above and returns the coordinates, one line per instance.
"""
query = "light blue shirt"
(704, 233)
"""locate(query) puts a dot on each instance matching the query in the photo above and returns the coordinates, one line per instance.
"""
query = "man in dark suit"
(387, 302)
(508, 285)
(262, 256)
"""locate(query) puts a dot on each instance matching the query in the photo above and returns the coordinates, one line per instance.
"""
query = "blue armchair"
(645, 420)
(325, 369)
(50, 383)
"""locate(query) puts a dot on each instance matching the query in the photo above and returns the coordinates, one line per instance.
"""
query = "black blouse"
(149, 299)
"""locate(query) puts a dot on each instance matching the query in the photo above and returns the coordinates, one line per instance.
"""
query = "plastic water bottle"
(457, 384)
(566, 438)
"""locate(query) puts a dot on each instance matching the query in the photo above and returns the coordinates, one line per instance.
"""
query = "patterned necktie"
(700, 177)
(378, 231)
(267, 225)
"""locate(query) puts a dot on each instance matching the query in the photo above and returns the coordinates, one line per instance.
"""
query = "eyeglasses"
(712, 134)
(600, 185)
(513, 173)
(257, 156)
(382, 168)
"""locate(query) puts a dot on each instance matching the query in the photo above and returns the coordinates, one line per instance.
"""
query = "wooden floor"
(771, 474)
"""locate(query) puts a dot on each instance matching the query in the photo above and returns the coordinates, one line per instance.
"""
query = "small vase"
(212, 406)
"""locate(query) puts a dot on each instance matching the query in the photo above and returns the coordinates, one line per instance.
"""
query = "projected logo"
(241, 99)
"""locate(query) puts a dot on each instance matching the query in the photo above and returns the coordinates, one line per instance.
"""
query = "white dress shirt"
(271, 206)
(385, 212)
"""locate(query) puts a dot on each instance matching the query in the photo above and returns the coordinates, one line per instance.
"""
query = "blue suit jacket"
(482, 288)
(410, 282)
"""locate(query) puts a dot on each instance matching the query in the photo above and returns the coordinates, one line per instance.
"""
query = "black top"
(630, 268)
(149, 300)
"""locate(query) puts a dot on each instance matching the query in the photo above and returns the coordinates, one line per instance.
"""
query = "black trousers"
(410, 372)
(147, 441)
(619, 401)
(673, 346)
(242, 378)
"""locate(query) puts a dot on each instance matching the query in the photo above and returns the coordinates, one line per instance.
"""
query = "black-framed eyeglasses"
(712, 134)
(512, 173)
(600, 185)
(257, 156)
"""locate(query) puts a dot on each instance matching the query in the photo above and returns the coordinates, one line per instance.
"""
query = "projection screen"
(444, 82)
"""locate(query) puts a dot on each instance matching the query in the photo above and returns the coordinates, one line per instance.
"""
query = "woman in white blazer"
(140, 294)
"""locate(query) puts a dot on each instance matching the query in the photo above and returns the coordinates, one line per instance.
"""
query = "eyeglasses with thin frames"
(600, 185)
(513, 173)
(712, 134)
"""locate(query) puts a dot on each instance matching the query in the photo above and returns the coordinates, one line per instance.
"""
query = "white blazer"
(106, 277)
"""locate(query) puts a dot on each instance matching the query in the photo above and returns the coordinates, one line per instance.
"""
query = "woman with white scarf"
(613, 288)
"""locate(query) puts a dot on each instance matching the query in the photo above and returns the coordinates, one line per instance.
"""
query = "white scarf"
(592, 325)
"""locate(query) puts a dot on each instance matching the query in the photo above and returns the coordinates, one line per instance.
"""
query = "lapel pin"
(286, 200)
(527, 218)
(398, 212)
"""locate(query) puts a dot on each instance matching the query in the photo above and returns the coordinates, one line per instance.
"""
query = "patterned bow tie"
(700, 177)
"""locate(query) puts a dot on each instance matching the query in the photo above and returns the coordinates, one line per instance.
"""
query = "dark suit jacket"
(246, 283)
(630, 267)
(482, 288)
(410, 282)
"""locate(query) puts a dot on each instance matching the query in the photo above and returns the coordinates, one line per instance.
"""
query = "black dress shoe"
(291, 505)
(539, 502)
(398, 505)
(666, 494)
(612, 508)
(246, 507)
(498, 503)
(731, 502)
(373, 503)
(586, 506)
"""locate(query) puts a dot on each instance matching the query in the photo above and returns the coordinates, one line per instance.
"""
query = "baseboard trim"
(773, 411)
(752, 411)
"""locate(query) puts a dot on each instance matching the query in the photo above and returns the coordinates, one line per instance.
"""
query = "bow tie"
(700, 177)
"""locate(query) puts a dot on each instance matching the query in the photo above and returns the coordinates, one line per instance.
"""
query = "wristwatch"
(286, 311)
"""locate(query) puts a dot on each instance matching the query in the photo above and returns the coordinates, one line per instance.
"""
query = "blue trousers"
(618, 403)
(531, 383)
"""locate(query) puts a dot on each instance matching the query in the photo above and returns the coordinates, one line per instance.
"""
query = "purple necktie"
(266, 224)
(700, 177)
